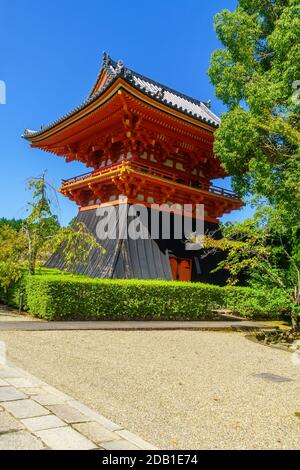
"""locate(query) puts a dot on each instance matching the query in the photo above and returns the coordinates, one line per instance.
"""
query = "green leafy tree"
(72, 221)
(75, 244)
(256, 75)
(14, 223)
(12, 258)
(41, 224)
(45, 235)
(40, 236)
(264, 253)
(12, 244)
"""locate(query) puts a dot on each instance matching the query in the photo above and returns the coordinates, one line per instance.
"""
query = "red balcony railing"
(161, 172)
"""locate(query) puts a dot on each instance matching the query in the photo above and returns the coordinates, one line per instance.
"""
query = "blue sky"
(51, 53)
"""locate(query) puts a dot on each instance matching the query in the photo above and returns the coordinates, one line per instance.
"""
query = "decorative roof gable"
(111, 71)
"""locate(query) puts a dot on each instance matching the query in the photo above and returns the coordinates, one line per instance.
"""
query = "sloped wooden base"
(142, 258)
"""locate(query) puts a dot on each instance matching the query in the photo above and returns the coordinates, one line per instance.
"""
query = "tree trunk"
(296, 321)
(296, 308)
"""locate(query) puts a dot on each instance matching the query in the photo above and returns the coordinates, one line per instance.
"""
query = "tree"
(262, 252)
(41, 235)
(14, 223)
(75, 244)
(41, 224)
(256, 75)
(45, 235)
(12, 255)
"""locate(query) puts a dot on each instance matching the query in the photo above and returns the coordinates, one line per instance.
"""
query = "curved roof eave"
(154, 90)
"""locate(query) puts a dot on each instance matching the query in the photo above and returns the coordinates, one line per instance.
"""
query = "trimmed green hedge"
(58, 297)
(65, 296)
(258, 303)
(11, 297)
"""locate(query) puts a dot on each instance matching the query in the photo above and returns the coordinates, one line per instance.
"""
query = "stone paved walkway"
(35, 416)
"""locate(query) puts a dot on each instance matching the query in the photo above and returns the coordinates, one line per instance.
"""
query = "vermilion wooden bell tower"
(145, 143)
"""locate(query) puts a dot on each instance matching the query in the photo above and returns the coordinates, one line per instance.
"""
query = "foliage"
(258, 302)
(13, 223)
(53, 294)
(39, 236)
(45, 236)
(255, 75)
(72, 221)
(10, 274)
(77, 297)
(76, 244)
(41, 224)
(12, 245)
(11, 295)
(265, 251)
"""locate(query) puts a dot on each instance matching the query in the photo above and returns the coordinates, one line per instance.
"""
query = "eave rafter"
(167, 121)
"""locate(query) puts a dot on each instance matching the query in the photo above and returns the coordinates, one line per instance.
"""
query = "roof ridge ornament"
(160, 93)
(106, 58)
(120, 67)
(207, 104)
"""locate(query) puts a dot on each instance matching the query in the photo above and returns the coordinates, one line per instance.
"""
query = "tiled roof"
(171, 97)
(176, 100)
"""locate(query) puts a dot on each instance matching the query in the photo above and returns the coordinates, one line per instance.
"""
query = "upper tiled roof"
(176, 100)
(161, 92)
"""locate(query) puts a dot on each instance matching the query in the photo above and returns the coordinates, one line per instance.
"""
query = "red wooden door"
(174, 267)
(185, 270)
(181, 269)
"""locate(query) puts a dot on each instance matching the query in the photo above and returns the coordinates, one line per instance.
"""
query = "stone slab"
(72, 425)
(6, 372)
(95, 432)
(121, 444)
(43, 422)
(54, 391)
(25, 409)
(49, 399)
(8, 423)
(10, 393)
(136, 440)
(273, 377)
(32, 390)
(21, 440)
(65, 439)
(20, 382)
(68, 414)
(94, 416)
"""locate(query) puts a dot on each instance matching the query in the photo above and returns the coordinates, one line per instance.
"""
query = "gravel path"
(176, 389)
